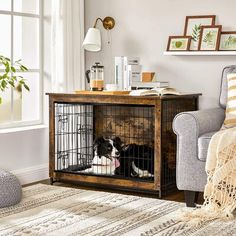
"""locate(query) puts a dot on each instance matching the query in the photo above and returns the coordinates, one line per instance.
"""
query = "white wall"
(142, 29)
(25, 153)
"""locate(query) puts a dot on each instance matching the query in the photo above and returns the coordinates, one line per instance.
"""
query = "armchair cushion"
(203, 143)
(230, 119)
(224, 85)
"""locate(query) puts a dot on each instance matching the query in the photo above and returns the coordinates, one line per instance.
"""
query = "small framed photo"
(193, 27)
(228, 41)
(210, 38)
(179, 43)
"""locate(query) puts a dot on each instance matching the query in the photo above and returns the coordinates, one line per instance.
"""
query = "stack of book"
(127, 70)
(149, 85)
(128, 75)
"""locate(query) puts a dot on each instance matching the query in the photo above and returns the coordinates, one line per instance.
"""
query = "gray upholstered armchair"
(194, 131)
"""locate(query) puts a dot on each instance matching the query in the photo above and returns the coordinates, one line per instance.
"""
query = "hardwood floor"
(178, 196)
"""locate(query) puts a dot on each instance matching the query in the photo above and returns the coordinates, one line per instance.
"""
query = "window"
(21, 22)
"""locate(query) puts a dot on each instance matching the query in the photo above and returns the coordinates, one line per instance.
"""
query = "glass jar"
(96, 77)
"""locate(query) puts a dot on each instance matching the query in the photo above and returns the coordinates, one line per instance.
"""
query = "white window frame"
(12, 13)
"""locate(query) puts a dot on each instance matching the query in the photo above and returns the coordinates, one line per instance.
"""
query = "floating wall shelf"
(200, 53)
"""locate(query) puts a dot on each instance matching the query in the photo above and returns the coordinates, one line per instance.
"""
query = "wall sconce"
(92, 41)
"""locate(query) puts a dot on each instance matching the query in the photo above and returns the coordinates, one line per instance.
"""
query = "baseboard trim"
(32, 174)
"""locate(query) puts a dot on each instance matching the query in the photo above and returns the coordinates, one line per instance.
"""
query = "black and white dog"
(112, 157)
(143, 160)
(135, 160)
(106, 155)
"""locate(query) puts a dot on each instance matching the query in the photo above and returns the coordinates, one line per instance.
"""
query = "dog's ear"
(99, 141)
(117, 140)
(118, 143)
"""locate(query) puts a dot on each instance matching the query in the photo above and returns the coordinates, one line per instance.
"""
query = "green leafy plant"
(178, 44)
(196, 32)
(231, 41)
(209, 37)
(9, 77)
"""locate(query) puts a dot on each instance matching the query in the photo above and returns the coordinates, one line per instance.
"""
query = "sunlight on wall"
(25, 105)
(5, 111)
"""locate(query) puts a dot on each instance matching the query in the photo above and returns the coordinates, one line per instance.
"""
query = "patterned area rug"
(51, 210)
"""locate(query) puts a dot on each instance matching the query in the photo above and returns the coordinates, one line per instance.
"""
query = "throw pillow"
(230, 118)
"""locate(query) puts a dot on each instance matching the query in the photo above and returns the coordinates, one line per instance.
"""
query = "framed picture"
(179, 43)
(228, 41)
(210, 38)
(193, 27)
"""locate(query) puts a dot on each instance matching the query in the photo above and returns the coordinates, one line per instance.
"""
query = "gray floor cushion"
(10, 189)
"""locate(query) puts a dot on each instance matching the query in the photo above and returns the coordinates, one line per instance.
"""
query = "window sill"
(21, 129)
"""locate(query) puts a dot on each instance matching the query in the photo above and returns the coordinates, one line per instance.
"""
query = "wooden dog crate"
(76, 120)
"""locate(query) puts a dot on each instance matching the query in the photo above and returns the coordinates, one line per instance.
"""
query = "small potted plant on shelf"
(9, 77)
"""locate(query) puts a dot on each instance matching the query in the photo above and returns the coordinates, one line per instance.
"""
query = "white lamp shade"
(92, 41)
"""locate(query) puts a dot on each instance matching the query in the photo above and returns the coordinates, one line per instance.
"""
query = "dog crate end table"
(76, 120)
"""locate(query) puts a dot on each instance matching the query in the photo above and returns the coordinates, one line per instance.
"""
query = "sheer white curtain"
(67, 53)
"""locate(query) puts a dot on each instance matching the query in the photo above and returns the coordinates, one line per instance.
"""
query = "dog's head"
(107, 147)
(106, 152)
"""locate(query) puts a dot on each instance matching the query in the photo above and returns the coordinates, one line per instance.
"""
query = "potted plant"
(9, 77)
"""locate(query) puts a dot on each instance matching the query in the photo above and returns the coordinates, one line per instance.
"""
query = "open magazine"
(154, 92)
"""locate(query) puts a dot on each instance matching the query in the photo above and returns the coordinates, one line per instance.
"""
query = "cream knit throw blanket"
(220, 190)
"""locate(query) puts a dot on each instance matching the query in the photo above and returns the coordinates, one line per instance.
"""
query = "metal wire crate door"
(73, 136)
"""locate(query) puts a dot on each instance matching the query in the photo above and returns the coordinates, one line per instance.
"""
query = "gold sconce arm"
(108, 22)
(96, 22)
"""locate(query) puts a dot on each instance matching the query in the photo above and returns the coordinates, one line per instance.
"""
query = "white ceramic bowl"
(112, 87)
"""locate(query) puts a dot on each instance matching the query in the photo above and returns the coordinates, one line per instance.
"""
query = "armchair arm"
(199, 122)
(190, 171)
